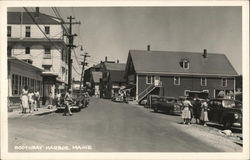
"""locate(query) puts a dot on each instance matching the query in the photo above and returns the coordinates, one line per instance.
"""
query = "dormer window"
(184, 63)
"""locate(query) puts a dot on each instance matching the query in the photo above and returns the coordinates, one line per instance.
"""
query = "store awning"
(128, 87)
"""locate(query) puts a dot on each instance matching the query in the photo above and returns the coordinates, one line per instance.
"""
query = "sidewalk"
(41, 111)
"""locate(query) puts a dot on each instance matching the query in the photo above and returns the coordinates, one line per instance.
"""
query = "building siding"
(18, 31)
(186, 83)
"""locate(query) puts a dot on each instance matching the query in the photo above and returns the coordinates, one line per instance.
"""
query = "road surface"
(104, 126)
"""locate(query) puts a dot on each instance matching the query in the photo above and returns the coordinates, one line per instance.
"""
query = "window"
(177, 80)
(149, 79)
(27, 31)
(224, 82)
(203, 81)
(32, 84)
(62, 55)
(47, 30)
(9, 51)
(47, 50)
(15, 84)
(8, 31)
(185, 64)
(27, 50)
(46, 67)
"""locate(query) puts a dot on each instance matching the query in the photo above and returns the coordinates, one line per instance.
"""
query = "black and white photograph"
(125, 79)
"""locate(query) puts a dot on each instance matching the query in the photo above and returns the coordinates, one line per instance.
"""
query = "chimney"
(205, 53)
(148, 47)
(117, 61)
(37, 12)
(106, 59)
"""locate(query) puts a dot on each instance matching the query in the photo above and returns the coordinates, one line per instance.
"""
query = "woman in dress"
(31, 98)
(24, 99)
(204, 113)
(186, 114)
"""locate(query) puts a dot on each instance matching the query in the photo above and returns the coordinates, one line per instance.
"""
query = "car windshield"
(171, 100)
(228, 104)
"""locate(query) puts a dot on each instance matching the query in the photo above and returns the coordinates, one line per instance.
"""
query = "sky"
(113, 31)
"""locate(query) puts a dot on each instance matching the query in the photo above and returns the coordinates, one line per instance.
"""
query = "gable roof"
(96, 76)
(115, 66)
(15, 18)
(168, 62)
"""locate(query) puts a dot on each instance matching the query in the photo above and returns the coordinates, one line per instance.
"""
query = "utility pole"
(70, 46)
(83, 66)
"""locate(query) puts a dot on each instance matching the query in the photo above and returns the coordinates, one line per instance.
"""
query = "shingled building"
(177, 74)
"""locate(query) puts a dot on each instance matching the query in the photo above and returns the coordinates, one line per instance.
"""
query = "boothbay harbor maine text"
(125, 79)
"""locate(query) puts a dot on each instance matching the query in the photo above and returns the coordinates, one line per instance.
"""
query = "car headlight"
(236, 116)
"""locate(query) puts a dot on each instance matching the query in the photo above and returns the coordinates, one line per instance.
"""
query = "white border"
(123, 155)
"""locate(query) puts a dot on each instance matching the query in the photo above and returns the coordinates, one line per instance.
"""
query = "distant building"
(112, 78)
(177, 74)
(27, 41)
(95, 83)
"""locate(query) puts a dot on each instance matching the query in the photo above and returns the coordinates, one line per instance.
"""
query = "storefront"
(22, 74)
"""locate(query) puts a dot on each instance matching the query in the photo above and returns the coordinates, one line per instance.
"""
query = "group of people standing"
(198, 110)
(30, 100)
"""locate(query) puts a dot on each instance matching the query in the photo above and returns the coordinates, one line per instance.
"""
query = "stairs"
(148, 90)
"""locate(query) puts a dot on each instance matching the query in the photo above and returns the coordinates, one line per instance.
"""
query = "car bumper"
(71, 107)
(237, 124)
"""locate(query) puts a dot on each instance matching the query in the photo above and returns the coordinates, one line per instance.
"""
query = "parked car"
(169, 105)
(74, 105)
(117, 98)
(225, 111)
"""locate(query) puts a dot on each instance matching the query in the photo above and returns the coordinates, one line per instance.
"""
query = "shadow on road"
(160, 112)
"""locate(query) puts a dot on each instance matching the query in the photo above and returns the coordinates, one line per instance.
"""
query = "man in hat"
(67, 100)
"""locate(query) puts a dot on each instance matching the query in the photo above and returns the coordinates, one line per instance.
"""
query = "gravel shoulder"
(213, 137)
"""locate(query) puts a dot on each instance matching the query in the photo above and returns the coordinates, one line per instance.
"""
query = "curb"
(45, 113)
(18, 115)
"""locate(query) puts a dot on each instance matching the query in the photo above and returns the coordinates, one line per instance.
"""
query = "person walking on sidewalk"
(31, 98)
(37, 99)
(24, 99)
(50, 105)
(204, 113)
(67, 100)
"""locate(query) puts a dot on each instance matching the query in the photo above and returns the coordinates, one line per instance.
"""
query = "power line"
(75, 70)
(34, 20)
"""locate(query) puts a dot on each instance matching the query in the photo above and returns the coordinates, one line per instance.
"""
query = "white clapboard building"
(39, 40)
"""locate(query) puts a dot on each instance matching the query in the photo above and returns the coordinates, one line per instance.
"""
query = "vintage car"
(169, 105)
(226, 112)
(74, 105)
(79, 101)
(117, 98)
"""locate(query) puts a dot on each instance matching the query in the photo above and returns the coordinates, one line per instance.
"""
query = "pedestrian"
(58, 99)
(204, 113)
(191, 109)
(124, 97)
(24, 99)
(197, 110)
(31, 98)
(186, 114)
(37, 98)
(67, 100)
(50, 105)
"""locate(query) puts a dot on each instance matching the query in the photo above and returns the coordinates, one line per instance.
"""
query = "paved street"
(103, 126)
